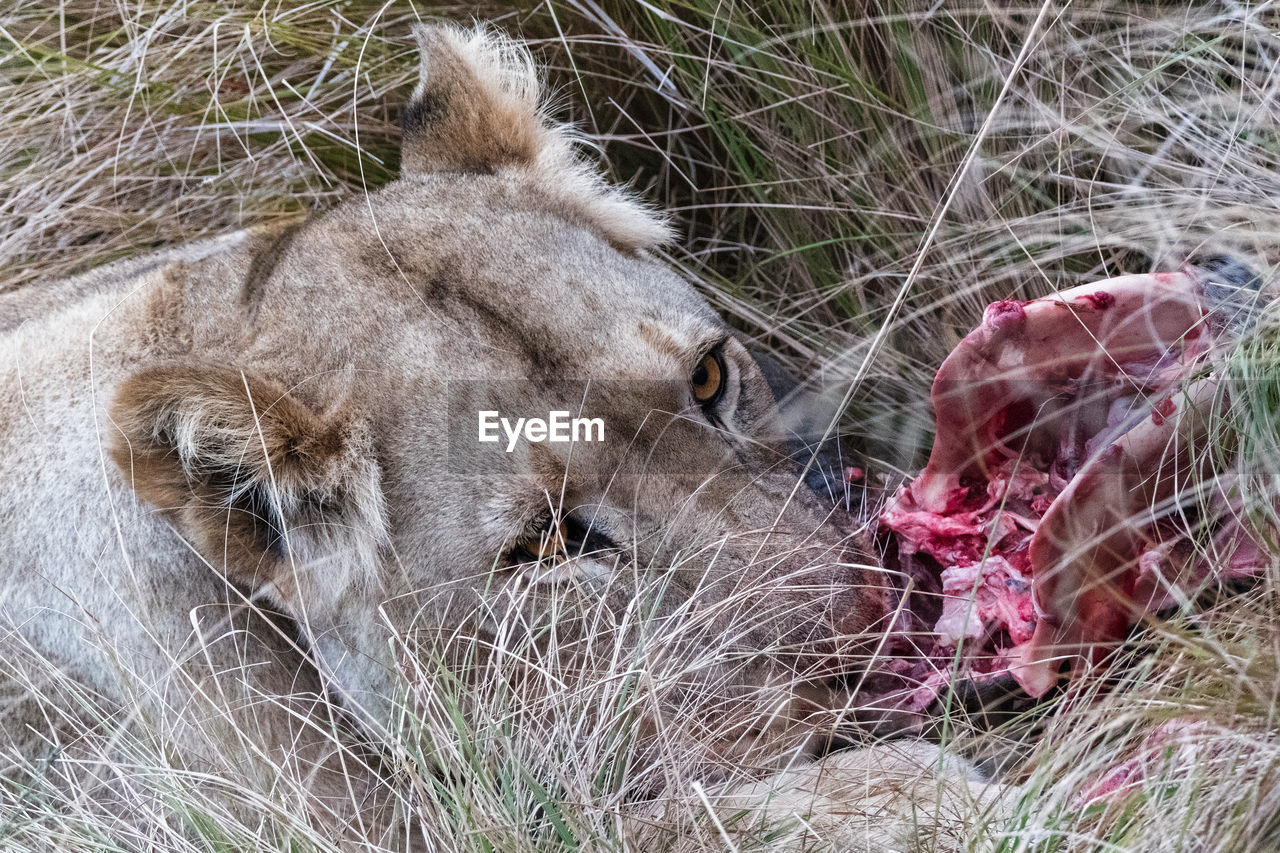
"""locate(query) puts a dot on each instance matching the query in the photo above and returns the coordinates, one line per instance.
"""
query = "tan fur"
(196, 441)
(477, 110)
(263, 421)
(902, 796)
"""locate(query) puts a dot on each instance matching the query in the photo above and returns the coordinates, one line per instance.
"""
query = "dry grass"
(853, 182)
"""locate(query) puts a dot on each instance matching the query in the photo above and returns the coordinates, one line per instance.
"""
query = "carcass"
(1074, 459)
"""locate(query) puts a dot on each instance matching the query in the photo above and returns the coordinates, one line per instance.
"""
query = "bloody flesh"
(1048, 518)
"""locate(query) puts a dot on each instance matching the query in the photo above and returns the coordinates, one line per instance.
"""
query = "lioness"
(241, 526)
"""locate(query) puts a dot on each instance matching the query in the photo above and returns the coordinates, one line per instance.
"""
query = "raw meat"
(1052, 513)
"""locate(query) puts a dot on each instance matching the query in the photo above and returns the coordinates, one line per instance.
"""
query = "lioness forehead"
(482, 267)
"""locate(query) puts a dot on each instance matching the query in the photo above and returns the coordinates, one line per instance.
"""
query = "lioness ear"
(260, 483)
(475, 108)
(478, 109)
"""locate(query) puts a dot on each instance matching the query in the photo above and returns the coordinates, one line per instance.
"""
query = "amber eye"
(546, 546)
(549, 545)
(708, 378)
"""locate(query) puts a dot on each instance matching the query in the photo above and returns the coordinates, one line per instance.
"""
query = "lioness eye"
(549, 544)
(708, 379)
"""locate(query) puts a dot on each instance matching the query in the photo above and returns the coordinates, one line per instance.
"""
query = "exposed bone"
(1068, 431)
(1025, 351)
(1085, 553)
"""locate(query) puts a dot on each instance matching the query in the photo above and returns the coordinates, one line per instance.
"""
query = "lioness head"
(322, 448)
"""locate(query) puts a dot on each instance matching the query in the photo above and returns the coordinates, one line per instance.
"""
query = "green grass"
(812, 155)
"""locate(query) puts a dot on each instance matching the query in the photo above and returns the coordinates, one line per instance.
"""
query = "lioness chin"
(250, 535)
